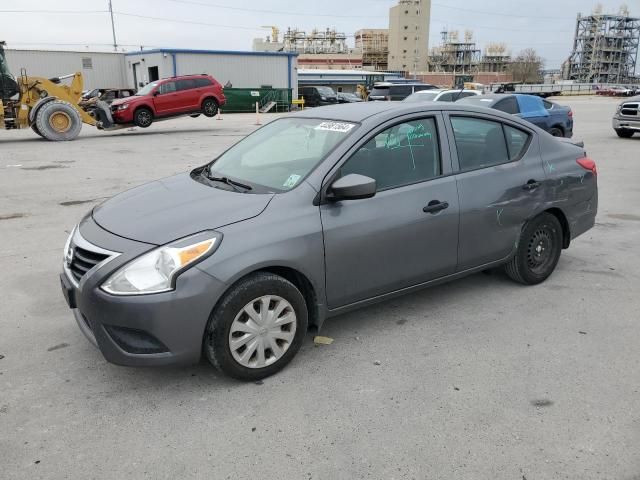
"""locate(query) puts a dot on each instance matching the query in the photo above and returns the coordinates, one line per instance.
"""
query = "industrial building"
(374, 45)
(240, 69)
(464, 60)
(605, 48)
(99, 69)
(409, 35)
(320, 49)
(133, 69)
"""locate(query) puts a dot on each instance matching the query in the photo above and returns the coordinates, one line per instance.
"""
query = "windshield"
(281, 154)
(421, 97)
(146, 90)
(326, 91)
(4, 68)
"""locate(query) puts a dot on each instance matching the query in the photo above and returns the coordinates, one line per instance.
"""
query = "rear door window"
(480, 143)
(186, 84)
(508, 105)
(517, 141)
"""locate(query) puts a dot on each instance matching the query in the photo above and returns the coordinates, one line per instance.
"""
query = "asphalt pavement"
(477, 379)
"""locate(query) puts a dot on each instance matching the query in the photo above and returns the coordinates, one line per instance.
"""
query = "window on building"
(87, 63)
(401, 155)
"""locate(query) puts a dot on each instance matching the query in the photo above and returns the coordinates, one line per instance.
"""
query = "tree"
(527, 67)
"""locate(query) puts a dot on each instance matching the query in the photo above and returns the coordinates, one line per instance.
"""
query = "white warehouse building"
(133, 69)
(99, 69)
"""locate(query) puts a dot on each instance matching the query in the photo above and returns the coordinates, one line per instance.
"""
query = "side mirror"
(156, 93)
(352, 187)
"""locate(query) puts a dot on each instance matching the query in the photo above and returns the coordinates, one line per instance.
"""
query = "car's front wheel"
(624, 133)
(538, 250)
(257, 327)
(143, 117)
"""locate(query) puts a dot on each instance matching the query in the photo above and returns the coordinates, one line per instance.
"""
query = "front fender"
(37, 106)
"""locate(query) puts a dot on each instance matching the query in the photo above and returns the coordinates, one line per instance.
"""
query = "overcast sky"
(546, 25)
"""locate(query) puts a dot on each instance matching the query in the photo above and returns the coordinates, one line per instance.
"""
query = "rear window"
(508, 105)
(203, 82)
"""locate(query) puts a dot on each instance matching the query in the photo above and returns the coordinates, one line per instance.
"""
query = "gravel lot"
(477, 379)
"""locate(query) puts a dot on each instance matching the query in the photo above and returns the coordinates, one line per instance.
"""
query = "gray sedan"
(316, 214)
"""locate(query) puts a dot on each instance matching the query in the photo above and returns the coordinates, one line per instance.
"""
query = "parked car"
(626, 120)
(385, 91)
(441, 95)
(170, 97)
(554, 118)
(344, 97)
(107, 95)
(318, 96)
(315, 214)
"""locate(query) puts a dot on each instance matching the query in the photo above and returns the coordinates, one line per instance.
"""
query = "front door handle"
(434, 206)
(531, 185)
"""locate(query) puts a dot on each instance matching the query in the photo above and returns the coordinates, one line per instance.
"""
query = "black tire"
(58, 121)
(34, 127)
(217, 334)
(195, 115)
(210, 107)
(538, 250)
(556, 132)
(624, 133)
(143, 117)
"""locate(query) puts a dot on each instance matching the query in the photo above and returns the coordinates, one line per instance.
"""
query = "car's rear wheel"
(257, 327)
(556, 132)
(210, 107)
(538, 250)
(143, 117)
(624, 133)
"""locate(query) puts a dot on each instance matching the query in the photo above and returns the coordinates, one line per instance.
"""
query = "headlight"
(619, 108)
(124, 106)
(323, 98)
(67, 254)
(156, 271)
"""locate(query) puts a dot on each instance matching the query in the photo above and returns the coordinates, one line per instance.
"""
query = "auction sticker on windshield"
(335, 126)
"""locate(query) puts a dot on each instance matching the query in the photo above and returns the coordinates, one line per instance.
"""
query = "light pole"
(113, 28)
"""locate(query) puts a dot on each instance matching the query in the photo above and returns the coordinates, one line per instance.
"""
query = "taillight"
(570, 113)
(588, 164)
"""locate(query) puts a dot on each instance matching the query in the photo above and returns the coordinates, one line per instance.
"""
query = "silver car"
(626, 120)
(316, 214)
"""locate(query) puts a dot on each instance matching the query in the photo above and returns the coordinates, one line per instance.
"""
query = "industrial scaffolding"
(374, 45)
(317, 41)
(605, 49)
(465, 58)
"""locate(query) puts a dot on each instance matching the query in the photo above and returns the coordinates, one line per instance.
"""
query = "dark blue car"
(552, 117)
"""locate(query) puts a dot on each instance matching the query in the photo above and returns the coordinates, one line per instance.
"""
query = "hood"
(120, 101)
(175, 207)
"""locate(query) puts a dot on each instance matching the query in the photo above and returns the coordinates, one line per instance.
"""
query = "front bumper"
(140, 330)
(626, 123)
(122, 116)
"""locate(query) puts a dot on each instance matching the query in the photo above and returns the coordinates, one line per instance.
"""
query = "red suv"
(170, 97)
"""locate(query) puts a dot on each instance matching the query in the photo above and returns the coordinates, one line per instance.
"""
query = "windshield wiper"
(232, 183)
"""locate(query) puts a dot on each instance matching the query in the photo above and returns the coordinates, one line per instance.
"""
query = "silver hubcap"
(262, 331)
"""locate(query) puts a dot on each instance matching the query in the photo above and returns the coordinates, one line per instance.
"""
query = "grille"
(630, 109)
(83, 261)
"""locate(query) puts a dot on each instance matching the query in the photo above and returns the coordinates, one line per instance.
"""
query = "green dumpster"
(244, 99)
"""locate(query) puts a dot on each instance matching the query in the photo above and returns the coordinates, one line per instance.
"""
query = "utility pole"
(113, 28)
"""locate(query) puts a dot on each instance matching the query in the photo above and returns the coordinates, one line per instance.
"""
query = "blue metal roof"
(212, 52)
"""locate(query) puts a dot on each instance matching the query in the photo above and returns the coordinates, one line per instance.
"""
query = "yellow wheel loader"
(47, 106)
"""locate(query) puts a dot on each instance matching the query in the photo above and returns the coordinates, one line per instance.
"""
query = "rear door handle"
(531, 185)
(434, 206)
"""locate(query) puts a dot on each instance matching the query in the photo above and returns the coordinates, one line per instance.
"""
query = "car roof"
(359, 112)
(392, 84)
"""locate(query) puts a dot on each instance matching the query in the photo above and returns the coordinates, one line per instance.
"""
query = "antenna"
(113, 28)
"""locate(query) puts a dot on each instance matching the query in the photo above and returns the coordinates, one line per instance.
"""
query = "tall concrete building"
(409, 35)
